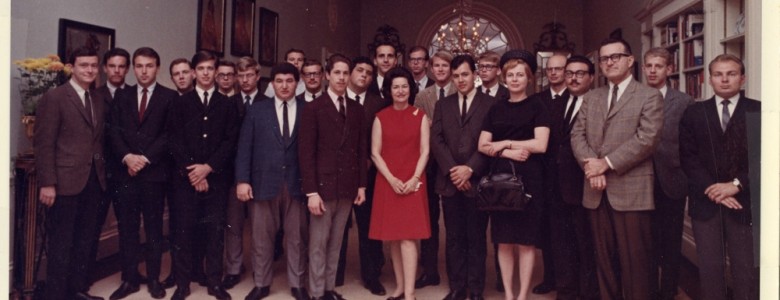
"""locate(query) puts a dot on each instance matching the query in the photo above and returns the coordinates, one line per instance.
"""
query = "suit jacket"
(67, 144)
(112, 167)
(562, 172)
(708, 155)
(428, 83)
(547, 98)
(627, 135)
(666, 159)
(427, 98)
(332, 149)
(203, 135)
(454, 143)
(372, 105)
(238, 101)
(147, 137)
(263, 158)
(501, 94)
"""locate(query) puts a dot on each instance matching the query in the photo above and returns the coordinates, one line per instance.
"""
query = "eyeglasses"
(554, 69)
(613, 58)
(312, 74)
(225, 76)
(246, 76)
(486, 67)
(417, 59)
(579, 74)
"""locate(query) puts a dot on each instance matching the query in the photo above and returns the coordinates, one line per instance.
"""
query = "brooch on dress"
(415, 112)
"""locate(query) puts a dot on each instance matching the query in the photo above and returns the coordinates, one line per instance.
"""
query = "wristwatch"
(737, 184)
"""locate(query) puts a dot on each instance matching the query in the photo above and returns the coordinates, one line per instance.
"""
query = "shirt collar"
(251, 95)
(352, 94)
(470, 95)
(333, 95)
(200, 91)
(553, 93)
(622, 85)
(149, 90)
(78, 88)
(290, 103)
(663, 90)
(733, 100)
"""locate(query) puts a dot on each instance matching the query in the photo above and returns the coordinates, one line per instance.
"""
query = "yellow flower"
(56, 66)
(53, 57)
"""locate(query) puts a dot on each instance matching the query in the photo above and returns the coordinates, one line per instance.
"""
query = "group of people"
(608, 172)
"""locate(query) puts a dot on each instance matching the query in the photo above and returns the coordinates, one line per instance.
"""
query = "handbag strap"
(493, 166)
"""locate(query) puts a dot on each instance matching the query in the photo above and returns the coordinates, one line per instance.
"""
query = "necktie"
(285, 123)
(614, 97)
(357, 98)
(441, 93)
(312, 97)
(205, 98)
(725, 115)
(247, 101)
(88, 107)
(419, 85)
(342, 109)
(556, 97)
(142, 109)
(487, 91)
(570, 111)
(463, 111)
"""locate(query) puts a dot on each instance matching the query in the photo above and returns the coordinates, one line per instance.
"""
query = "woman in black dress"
(516, 132)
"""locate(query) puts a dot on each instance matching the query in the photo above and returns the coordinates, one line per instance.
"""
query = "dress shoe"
(258, 293)
(399, 297)
(155, 289)
(426, 280)
(456, 295)
(230, 281)
(300, 294)
(375, 287)
(476, 296)
(125, 289)
(218, 292)
(181, 293)
(200, 278)
(332, 295)
(543, 288)
(86, 296)
(169, 281)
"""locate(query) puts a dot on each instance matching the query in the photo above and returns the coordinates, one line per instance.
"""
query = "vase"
(29, 131)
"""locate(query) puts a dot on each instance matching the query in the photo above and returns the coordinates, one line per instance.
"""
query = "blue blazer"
(263, 159)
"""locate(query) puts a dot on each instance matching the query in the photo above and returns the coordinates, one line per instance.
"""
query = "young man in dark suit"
(571, 246)
(269, 181)
(489, 71)
(202, 133)
(333, 155)
(385, 58)
(312, 75)
(671, 184)
(714, 154)
(457, 123)
(70, 165)
(139, 142)
(182, 75)
(418, 65)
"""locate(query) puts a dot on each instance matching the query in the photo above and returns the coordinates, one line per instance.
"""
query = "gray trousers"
(325, 236)
(267, 216)
(234, 234)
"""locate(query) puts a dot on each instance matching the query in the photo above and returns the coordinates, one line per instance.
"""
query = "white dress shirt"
(112, 88)
(200, 91)
(621, 88)
(149, 91)
(351, 95)
(732, 106)
(291, 108)
(576, 106)
(335, 99)
(251, 96)
(469, 100)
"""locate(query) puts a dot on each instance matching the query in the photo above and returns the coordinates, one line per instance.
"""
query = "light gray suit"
(627, 136)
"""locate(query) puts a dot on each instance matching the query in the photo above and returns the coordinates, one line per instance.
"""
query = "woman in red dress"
(399, 149)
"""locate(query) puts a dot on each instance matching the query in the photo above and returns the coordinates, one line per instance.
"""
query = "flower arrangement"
(38, 76)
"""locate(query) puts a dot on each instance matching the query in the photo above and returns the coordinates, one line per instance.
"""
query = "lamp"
(462, 34)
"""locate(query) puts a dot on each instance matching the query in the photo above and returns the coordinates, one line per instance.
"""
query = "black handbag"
(501, 191)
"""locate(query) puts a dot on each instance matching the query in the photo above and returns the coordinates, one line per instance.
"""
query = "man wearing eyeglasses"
(487, 66)
(571, 244)
(226, 77)
(312, 79)
(418, 65)
(614, 137)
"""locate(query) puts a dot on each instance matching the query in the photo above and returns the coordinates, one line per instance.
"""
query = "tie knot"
(615, 89)
(284, 103)
(144, 90)
(86, 94)
(725, 102)
(340, 99)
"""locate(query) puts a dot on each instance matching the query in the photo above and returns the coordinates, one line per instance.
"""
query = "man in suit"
(182, 75)
(333, 149)
(226, 77)
(139, 142)
(571, 246)
(202, 134)
(616, 132)
(418, 65)
(297, 58)
(670, 184)
(269, 181)
(427, 99)
(371, 256)
(385, 58)
(457, 123)
(487, 65)
(312, 79)
(248, 76)
(714, 155)
(71, 175)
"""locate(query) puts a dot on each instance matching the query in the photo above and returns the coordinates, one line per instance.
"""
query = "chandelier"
(463, 34)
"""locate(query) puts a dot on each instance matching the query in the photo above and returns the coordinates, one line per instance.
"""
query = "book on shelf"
(693, 84)
(669, 34)
(698, 52)
(694, 24)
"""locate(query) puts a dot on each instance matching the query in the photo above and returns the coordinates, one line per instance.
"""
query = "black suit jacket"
(562, 172)
(147, 137)
(332, 149)
(547, 97)
(203, 135)
(708, 155)
(112, 167)
(454, 143)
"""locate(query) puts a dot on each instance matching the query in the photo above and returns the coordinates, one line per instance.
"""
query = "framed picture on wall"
(269, 37)
(243, 30)
(211, 26)
(74, 34)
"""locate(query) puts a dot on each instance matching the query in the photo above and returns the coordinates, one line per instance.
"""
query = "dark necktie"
(142, 109)
(342, 109)
(487, 91)
(247, 101)
(463, 111)
(614, 97)
(570, 111)
(285, 123)
(419, 85)
(205, 98)
(312, 97)
(88, 107)
(441, 93)
(725, 115)
(556, 97)
(357, 98)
